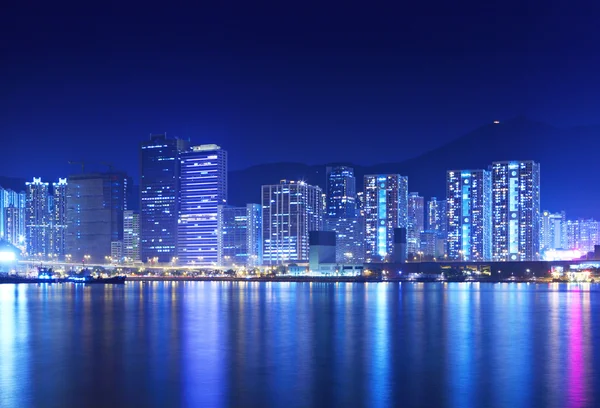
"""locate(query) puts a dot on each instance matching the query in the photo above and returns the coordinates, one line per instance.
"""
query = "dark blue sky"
(299, 82)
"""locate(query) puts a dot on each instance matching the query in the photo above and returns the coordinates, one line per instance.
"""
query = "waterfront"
(257, 344)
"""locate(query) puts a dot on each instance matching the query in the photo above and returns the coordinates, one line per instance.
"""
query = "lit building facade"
(239, 235)
(350, 245)
(553, 231)
(95, 208)
(59, 217)
(289, 211)
(415, 222)
(37, 218)
(159, 197)
(385, 208)
(436, 216)
(131, 236)
(341, 192)
(432, 246)
(515, 211)
(583, 234)
(203, 187)
(13, 216)
(469, 211)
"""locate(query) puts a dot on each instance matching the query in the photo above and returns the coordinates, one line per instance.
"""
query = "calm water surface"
(224, 344)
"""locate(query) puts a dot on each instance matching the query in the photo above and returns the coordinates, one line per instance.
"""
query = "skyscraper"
(59, 217)
(415, 222)
(583, 234)
(12, 216)
(436, 216)
(468, 194)
(515, 210)
(386, 208)
(131, 236)
(341, 192)
(343, 216)
(203, 187)
(159, 197)
(95, 206)
(240, 234)
(289, 211)
(37, 222)
(553, 231)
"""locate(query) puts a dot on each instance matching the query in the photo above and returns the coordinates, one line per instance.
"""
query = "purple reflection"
(576, 371)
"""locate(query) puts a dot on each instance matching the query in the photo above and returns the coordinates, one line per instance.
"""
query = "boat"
(88, 279)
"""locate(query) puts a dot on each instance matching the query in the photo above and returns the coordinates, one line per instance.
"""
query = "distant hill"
(568, 158)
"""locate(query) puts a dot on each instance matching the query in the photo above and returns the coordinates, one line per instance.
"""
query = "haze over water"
(231, 344)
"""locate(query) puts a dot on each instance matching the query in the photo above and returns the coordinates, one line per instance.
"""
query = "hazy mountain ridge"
(567, 168)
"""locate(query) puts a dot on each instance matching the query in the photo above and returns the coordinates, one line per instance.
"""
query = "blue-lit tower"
(385, 208)
(469, 207)
(516, 210)
(203, 187)
(37, 218)
(239, 235)
(159, 197)
(341, 192)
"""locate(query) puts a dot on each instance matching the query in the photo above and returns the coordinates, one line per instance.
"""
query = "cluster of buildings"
(490, 214)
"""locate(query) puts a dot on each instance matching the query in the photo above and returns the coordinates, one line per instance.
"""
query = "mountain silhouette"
(567, 157)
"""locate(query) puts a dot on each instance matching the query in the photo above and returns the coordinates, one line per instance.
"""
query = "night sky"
(293, 82)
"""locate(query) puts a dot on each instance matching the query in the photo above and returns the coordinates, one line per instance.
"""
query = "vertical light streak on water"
(15, 374)
(576, 382)
(204, 347)
(553, 354)
(460, 346)
(380, 376)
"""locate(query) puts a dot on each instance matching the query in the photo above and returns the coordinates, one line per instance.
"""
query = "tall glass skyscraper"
(290, 210)
(159, 197)
(415, 222)
(469, 194)
(516, 211)
(240, 235)
(385, 208)
(203, 187)
(38, 218)
(341, 192)
(13, 216)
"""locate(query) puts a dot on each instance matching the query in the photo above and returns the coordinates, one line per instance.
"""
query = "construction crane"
(79, 163)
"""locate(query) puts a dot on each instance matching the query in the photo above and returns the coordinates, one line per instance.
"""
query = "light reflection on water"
(220, 344)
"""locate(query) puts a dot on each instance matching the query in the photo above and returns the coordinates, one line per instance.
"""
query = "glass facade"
(203, 187)
(240, 235)
(415, 222)
(95, 207)
(159, 197)
(59, 217)
(468, 205)
(341, 192)
(385, 208)
(436, 216)
(516, 211)
(553, 231)
(289, 211)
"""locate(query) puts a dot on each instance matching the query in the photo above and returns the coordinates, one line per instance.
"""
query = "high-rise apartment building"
(95, 206)
(553, 231)
(436, 216)
(469, 210)
(290, 210)
(159, 197)
(350, 242)
(131, 236)
(59, 217)
(13, 216)
(341, 192)
(385, 208)
(203, 187)
(583, 234)
(515, 210)
(37, 218)
(415, 222)
(239, 235)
